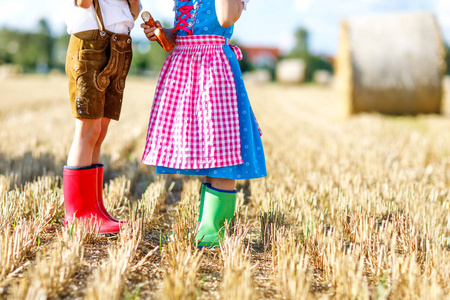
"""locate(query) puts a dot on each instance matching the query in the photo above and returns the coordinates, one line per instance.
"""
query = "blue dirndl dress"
(198, 17)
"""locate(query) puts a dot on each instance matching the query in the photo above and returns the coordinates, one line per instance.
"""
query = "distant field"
(353, 208)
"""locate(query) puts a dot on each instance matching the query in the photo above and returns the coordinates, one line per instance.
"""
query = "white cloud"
(12, 8)
(302, 5)
(442, 8)
(10, 11)
(286, 42)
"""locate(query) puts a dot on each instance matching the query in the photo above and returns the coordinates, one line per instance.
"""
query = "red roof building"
(261, 56)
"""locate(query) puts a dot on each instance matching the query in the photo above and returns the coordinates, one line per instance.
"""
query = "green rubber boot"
(202, 200)
(218, 206)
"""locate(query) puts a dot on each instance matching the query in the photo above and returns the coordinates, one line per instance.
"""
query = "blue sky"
(265, 23)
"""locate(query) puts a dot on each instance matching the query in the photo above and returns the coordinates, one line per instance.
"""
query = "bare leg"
(223, 184)
(101, 138)
(208, 179)
(87, 132)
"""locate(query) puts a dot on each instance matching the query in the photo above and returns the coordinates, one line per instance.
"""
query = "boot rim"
(210, 188)
(74, 168)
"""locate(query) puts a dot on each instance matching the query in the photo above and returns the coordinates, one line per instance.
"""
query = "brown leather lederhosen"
(97, 65)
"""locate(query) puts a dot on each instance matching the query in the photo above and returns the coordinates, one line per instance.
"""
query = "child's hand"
(150, 31)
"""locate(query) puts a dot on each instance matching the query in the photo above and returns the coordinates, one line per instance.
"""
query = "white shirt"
(245, 3)
(116, 16)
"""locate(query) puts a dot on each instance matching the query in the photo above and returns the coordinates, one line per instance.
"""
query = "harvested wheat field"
(353, 208)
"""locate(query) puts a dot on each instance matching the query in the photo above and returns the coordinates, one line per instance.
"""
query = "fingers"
(149, 32)
(158, 24)
(150, 35)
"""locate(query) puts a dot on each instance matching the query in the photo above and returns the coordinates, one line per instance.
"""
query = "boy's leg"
(96, 162)
(87, 133)
(98, 145)
(80, 180)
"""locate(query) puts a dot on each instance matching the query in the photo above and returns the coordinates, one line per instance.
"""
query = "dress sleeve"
(245, 3)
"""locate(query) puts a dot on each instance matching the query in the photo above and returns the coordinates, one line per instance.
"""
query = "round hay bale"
(7, 71)
(291, 71)
(258, 76)
(391, 64)
(323, 77)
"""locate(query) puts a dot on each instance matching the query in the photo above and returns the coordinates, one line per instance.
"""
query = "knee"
(102, 135)
(90, 133)
(91, 137)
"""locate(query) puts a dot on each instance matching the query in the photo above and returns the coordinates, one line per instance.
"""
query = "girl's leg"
(223, 184)
(87, 133)
(98, 145)
(218, 205)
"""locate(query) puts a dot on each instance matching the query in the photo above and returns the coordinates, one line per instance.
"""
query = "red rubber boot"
(100, 172)
(80, 198)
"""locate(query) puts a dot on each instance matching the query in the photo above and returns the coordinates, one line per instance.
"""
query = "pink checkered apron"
(194, 122)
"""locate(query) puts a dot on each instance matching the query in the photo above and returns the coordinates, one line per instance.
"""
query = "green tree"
(301, 50)
(59, 51)
(156, 57)
(8, 45)
(301, 47)
(147, 56)
(46, 43)
(27, 49)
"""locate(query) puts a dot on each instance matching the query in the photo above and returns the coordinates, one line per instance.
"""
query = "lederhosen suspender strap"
(99, 17)
(115, 72)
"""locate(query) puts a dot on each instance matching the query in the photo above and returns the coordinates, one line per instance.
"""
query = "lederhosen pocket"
(88, 52)
(118, 65)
